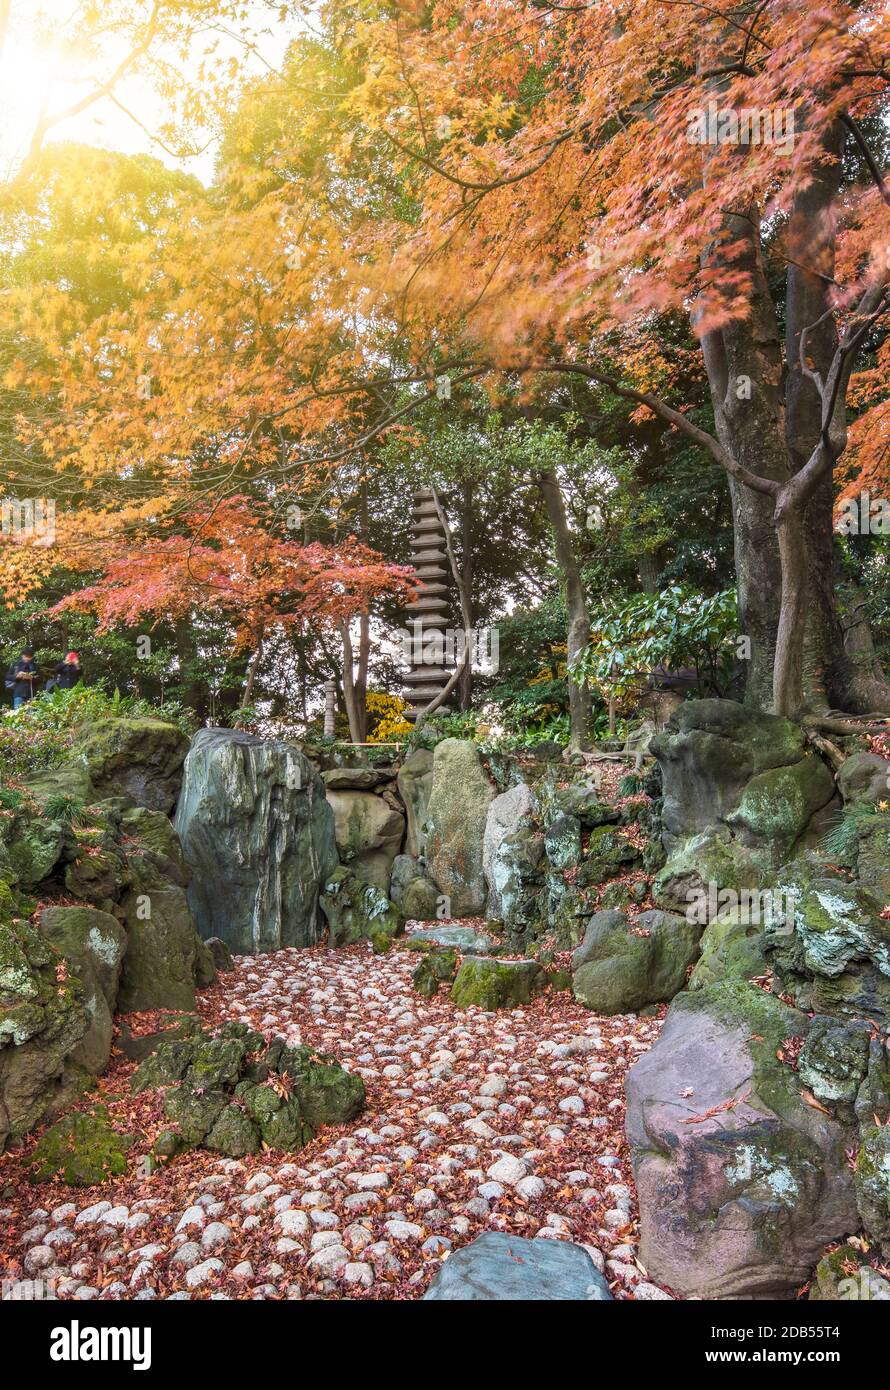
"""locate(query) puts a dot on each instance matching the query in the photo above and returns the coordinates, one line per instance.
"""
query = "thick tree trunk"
(743, 362)
(791, 633)
(576, 603)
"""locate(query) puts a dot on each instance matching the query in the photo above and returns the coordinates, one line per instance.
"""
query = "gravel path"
(475, 1121)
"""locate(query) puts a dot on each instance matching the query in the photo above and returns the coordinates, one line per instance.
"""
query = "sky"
(36, 72)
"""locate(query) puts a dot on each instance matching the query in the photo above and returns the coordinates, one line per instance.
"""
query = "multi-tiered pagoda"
(428, 617)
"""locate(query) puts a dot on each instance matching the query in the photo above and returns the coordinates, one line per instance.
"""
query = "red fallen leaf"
(716, 1110)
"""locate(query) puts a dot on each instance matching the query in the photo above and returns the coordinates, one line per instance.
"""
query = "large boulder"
(506, 813)
(412, 890)
(138, 759)
(258, 835)
(501, 1268)
(622, 966)
(456, 814)
(741, 1182)
(368, 833)
(43, 1017)
(93, 943)
(32, 843)
(710, 861)
(723, 764)
(415, 782)
(164, 951)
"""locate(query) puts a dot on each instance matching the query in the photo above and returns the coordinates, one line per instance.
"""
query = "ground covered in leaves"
(508, 1121)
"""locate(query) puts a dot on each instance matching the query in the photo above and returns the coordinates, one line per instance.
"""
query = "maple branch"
(856, 132)
(46, 123)
(673, 417)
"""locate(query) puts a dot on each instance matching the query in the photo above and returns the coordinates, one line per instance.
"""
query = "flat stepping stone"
(500, 1268)
(464, 939)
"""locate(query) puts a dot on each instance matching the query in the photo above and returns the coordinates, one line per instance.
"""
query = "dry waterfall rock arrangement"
(258, 835)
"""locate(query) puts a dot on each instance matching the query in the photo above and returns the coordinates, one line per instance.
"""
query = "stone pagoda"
(428, 617)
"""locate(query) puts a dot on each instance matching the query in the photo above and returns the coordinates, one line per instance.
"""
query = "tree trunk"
(791, 633)
(360, 686)
(743, 362)
(576, 604)
(466, 563)
(193, 689)
(349, 693)
(252, 668)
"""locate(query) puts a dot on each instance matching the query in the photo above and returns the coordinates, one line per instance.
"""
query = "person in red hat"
(67, 673)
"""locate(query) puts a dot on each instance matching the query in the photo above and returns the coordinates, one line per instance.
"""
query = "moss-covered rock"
(777, 805)
(193, 1110)
(714, 858)
(434, 969)
(620, 967)
(562, 842)
(43, 1017)
(356, 911)
(710, 752)
(93, 943)
(233, 1092)
(220, 954)
(234, 1134)
(609, 853)
(581, 800)
(731, 947)
(864, 778)
(328, 1094)
(163, 950)
(834, 1061)
(138, 759)
(841, 1277)
(837, 958)
(873, 1184)
(490, 984)
(82, 1150)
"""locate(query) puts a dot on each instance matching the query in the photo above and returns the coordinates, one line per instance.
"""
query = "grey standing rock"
(415, 782)
(456, 816)
(505, 814)
(500, 1268)
(258, 835)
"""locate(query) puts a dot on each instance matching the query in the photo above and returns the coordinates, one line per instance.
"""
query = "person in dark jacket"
(24, 676)
(67, 673)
